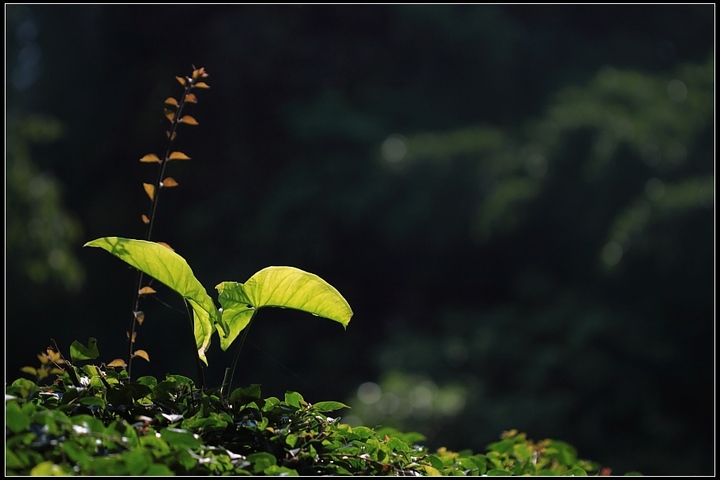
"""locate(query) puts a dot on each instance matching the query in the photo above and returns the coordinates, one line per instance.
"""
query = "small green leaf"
(329, 406)
(261, 461)
(15, 420)
(291, 440)
(78, 351)
(179, 438)
(294, 399)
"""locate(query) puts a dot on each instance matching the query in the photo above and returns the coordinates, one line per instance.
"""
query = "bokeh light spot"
(677, 91)
(394, 148)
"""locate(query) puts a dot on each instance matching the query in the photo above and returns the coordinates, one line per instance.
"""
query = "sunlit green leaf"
(172, 270)
(285, 287)
(329, 406)
(294, 399)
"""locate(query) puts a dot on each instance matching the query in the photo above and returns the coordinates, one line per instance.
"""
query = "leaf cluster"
(110, 425)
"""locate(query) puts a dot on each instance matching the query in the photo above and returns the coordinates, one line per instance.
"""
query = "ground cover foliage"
(95, 421)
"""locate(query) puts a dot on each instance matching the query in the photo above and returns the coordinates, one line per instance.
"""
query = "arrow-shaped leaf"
(171, 269)
(285, 287)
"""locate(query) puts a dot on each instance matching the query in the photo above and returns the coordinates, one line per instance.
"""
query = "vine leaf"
(284, 287)
(170, 269)
(150, 158)
(149, 189)
(187, 119)
(142, 354)
(178, 155)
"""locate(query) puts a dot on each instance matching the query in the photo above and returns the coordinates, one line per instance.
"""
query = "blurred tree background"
(516, 200)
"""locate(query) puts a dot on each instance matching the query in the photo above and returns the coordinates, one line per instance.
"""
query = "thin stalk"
(227, 382)
(151, 223)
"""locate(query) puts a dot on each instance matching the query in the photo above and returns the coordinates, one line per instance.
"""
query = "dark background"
(517, 202)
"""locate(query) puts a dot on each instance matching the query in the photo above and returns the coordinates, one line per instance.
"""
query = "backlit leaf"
(165, 245)
(181, 80)
(169, 182)
(145, 219)
(142, 354)
(30, 370)
(150, 190)
(329, 406)
(169, 114)
(190, 98)
(146, 291)
(150, 158)
(202, 85)
(118, 362)
(171, 101)
(172, 270)
(178, 155)
(189, 120)
(285, 287)
(167, 134)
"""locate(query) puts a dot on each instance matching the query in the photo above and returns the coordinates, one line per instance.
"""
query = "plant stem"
(151, 221)
(227, 383)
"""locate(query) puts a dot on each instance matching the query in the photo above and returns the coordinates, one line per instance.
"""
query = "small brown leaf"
(189, 120)
(165, 245)
(142, 354)
(181, 80)
(169, 114)
(150, 190)
(171, 101)
(145, 219)
(169, 182)
(118, 362)
(167, 134)
(140, 317)
(127, 334)
(202, 85)
(178, 155)
(190, 98)
(43, 358)
(150, 158)
(199, 72)
(146, 291)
